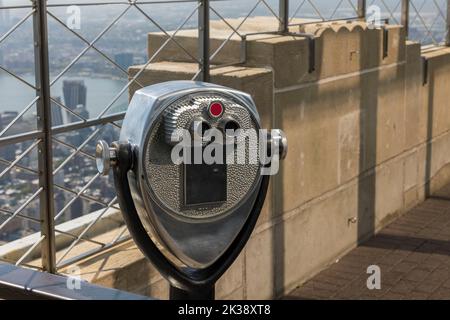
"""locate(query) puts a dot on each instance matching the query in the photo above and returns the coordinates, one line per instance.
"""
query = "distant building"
(57, 115)
(82, 111)
(125, 60)
(76, 209)
(74, 94)
(60, 201)
(84, 132)
(7, 117)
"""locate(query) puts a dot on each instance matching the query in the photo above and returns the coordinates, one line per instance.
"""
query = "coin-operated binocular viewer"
(191, 170)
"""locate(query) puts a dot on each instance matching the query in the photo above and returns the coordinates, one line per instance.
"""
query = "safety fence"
(64, 84)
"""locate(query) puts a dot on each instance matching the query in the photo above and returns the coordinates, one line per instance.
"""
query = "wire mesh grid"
(81, 204)
(426, 20)
(324, 11)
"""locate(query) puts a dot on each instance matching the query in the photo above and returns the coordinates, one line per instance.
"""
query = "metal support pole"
(44, 124)
(203, 38)
(284, 15)
(201, 293)
(362, 9)
(405, 16)
(447, 38)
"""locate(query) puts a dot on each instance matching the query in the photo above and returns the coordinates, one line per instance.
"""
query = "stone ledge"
(110, 220)
(219, 32)
(341, 47)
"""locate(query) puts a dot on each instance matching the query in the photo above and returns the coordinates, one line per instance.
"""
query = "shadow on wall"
(430, 112)
(278, 194)
(368, 120)
(370, 90)
(371, 125)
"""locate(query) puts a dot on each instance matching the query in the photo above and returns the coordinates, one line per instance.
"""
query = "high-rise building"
(57, 116)
(82, 111)
(125, 60)
(74, 94)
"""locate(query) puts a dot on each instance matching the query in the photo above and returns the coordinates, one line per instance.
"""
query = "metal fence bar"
(150, 60)
(44, 123)
(18, 78)
(19, 215)
(21, 208)
(110, 119)
(16, 26)
(19, 115)
(90, 253)
(156, 24)
(67, 206)
(29, 251)
(61, 105)
(447, 36)
(235, 31)
(362, 5)
(284, 15)
(87, 4)
(18, 166)
(83, 196)
(19, 158)
(93, 135)
(21, 137)
(91, 44)
(106, 57)
(405, 16)
(203, 40)
(428, 32)
(21, 283)
(275, 15)
(81, 235)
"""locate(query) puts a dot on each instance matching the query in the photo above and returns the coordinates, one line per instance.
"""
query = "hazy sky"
(227, 8)
(321, 4)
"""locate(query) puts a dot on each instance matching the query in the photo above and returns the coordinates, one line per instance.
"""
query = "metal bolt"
(352, 220)
(279, 141)
(105, 157)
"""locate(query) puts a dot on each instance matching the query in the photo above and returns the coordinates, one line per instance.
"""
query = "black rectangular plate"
(205, 184)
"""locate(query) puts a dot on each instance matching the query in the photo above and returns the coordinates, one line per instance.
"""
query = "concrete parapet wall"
(369, 139)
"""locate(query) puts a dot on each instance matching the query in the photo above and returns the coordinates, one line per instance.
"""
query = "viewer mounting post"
(44, 125)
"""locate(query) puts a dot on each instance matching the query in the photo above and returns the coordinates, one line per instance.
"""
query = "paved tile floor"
(413, 254)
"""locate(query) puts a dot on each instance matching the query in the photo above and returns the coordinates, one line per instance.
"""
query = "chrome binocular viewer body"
(191, 170)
